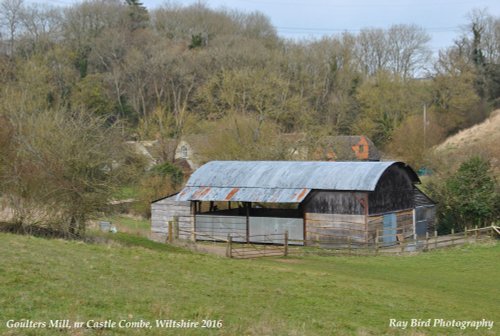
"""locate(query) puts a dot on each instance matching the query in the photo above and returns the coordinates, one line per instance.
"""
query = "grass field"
(131, 278)
(141, 227)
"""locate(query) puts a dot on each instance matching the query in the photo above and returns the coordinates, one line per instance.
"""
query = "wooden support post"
(285, 251)
(435, 239)
(247, 223)
(229, 246)
(452, 237)
(402, 244)
(170, 232)
(427, 241)
(414, 226)
(304, 226)
(365, 202)
(193, 213)
(476, 234)
(465, 235)
(176, 227)
(376, 241)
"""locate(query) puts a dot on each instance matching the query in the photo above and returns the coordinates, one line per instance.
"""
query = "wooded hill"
(178, 70)
(76, 82)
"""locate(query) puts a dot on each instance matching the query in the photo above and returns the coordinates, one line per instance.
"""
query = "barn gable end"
(168, 209)
(394, 192)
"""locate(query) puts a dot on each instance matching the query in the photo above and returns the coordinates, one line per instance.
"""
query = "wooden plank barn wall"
(163, 211)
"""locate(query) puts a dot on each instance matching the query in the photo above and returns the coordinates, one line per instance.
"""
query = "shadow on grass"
(36, 231)
(128, 239)
(92, 237)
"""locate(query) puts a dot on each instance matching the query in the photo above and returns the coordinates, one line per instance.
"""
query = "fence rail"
(241, 246)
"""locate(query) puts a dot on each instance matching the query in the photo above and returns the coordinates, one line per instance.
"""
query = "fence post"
(193, 236)
(435, 239)
(285, 252)
(402, 244)
(476, 235)
(229, 251)
(170, 232)
(176, 227)
(427, 241)
(376, 241)
(452, 237)
(193, 220)
(465, 235)
(349, 242)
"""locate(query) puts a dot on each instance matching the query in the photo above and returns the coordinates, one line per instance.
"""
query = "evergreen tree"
(469, 197)
(139, 16)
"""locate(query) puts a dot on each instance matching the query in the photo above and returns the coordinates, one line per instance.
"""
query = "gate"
(250, 250)
(424, 219)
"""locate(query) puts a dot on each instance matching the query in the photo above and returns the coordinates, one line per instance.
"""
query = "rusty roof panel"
(268, 195)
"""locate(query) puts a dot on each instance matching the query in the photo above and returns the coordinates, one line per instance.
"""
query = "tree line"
(114, 70)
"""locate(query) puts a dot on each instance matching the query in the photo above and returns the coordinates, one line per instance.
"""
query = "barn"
(317, 203)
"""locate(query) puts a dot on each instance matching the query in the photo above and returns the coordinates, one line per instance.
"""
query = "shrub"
(162, 180)
(468, 197)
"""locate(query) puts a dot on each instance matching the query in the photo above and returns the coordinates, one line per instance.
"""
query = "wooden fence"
(251, 250)
(235, 248)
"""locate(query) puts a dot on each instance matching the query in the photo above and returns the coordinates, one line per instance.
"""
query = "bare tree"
(197, 20)
(401, 49)
(372, 50)
(408, 50)
(257, 25)
(482, 36)
(10, 19)
(65, 167)
(42, 25)
(324, 74)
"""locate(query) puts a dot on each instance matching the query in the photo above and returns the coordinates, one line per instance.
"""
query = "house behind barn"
(318, 203)
(346, 148)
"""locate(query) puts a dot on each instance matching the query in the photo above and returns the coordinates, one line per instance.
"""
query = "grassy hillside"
(43, 279)
(481, 139)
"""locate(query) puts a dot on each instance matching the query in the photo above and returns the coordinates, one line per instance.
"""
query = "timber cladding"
(325, 228)
(166, 210)
(335, 202)
(404, 224)
(322, 229)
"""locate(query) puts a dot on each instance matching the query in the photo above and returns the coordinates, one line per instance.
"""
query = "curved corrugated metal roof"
(362, 176)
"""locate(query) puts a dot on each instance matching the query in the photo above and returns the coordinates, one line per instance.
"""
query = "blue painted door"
(390, 224)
